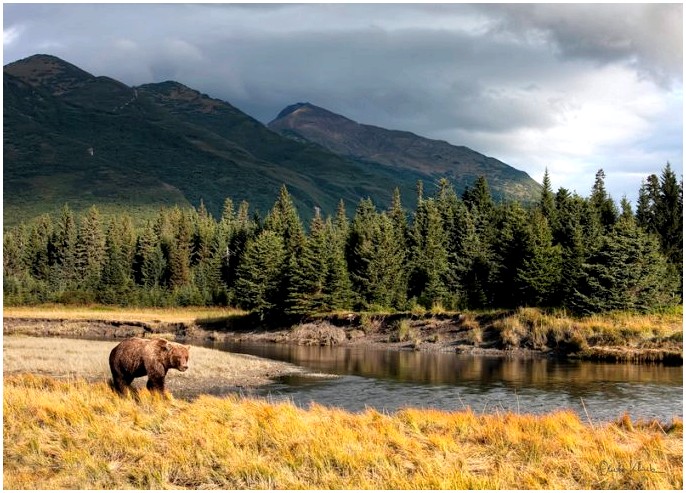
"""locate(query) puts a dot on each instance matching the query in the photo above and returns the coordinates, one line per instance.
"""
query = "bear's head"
(176, 354)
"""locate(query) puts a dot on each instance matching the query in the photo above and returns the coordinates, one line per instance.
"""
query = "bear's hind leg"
(121, 383)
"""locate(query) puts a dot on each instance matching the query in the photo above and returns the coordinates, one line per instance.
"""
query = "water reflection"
(394, 379)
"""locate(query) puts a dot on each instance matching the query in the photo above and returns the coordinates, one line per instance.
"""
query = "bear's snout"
(183, 367)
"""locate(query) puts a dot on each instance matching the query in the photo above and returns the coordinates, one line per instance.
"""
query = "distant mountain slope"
(73, 137)
(402, 150)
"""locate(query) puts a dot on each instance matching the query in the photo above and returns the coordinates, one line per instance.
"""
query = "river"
(388, 380)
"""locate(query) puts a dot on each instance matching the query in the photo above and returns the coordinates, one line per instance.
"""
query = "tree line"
(451, 252)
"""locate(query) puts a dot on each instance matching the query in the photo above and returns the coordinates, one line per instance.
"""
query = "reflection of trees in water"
(572, 377)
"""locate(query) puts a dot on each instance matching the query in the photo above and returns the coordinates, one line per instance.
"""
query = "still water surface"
(357, 378)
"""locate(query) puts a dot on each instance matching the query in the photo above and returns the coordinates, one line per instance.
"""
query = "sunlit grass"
(621, 335)
(76, 435)
(122, 314)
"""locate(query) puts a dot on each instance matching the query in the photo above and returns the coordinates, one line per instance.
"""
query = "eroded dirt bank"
(525, 332)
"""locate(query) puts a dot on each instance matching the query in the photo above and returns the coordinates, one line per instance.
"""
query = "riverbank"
(523, 332)
(78, 435)
(210, 371)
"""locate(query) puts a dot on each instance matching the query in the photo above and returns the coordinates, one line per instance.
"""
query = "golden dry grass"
(615, 335)
(76, 435)
(120, 314)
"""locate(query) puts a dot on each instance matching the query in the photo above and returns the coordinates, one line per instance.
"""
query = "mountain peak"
(302, 113)
(293, 108)
(400, 150)
(50, 72)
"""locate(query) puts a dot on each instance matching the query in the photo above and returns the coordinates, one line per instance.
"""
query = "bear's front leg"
(156, 379)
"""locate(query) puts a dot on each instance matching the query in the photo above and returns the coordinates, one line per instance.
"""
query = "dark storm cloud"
(574, 87)
(647, 36)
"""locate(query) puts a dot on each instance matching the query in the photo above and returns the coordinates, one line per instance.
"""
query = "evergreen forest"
(584, 254)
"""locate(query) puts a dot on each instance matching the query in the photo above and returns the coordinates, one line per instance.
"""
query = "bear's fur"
(136, 357)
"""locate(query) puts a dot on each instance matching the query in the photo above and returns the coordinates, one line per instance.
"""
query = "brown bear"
(136, 357)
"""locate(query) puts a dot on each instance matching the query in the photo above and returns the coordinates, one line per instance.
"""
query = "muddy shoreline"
(438, 333)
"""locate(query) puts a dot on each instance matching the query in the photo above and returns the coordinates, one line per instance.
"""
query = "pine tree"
(116, 280)
(260, 273)
(429, 256)
(150, 263)
(37, 253)
(307, 286)
(508, 246)
(234, 233)
(547, 201)
(338, 286)
(645, 208)
(63, 251)
(206, 256)
(627, 272)
(669, 216)
(375, 258)
(341, 223)
(13, 242)
(602, 204)
(284, 220)
(90, 250)
(626, 213)
(569, 235)
(398, 216)
(538, 277)
(179, 250)
(478, 198)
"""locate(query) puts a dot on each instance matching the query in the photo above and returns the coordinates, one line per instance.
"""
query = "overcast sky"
(570, 87)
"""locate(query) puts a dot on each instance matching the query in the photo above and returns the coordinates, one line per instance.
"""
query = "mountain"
(72, 137)
(399, 150)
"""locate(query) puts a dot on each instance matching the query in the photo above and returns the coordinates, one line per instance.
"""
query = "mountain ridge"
(71, 136)
(399, 149)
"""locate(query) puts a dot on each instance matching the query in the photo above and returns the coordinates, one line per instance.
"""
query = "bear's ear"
(162, 344)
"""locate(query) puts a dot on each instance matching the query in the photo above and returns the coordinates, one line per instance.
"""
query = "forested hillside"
(450, 252)
(73, 137)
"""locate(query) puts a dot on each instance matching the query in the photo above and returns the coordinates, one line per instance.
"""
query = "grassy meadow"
(61, 434)
(121, 314)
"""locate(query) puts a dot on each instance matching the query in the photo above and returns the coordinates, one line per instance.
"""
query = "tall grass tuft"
(76, 435)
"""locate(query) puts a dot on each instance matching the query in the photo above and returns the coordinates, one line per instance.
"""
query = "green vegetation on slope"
(71, 137)
(448, 253)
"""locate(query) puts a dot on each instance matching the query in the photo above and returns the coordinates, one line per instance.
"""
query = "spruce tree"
(547, 201)
(90, 250)
(338, 286)
(206, 257)
(538, 276)
(179, 250)
(260, 273)
(569, 235)
(602, 204)
(510, 242)
(429, 256)
(307, 286)
(63, 251)
(375, 258)
(37, 253)
(150, 263)
(669, 216)
(116, 280)
(627, 272)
